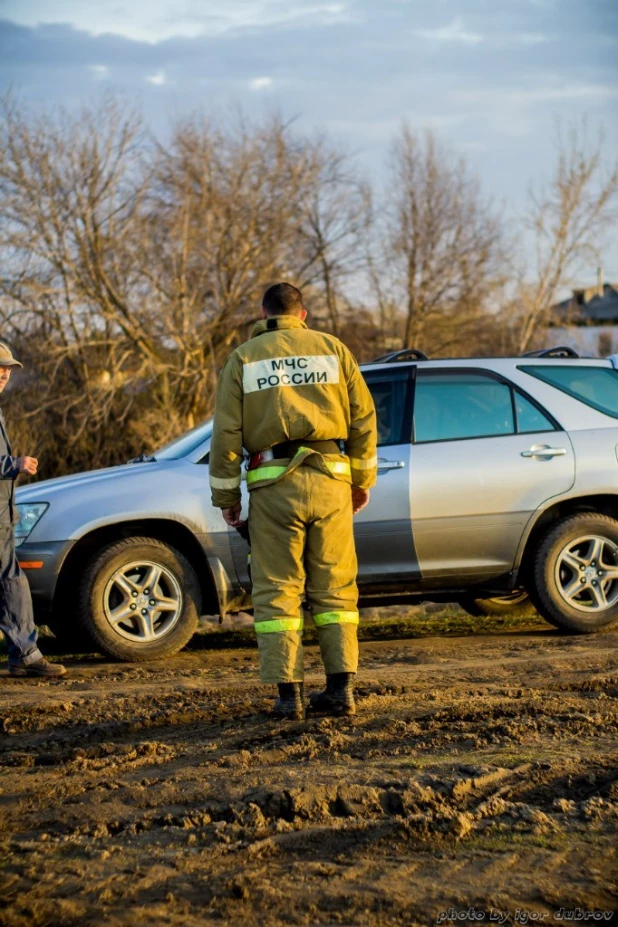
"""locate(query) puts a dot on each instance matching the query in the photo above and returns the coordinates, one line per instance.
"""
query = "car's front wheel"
(575, 582)
(139, 600)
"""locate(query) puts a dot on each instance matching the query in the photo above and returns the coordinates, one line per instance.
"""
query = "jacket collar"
(276, 323)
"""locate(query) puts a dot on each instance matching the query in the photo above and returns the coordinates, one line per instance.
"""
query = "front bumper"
(44, 578)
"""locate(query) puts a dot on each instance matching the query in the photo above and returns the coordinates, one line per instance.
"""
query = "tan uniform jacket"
(290, 383)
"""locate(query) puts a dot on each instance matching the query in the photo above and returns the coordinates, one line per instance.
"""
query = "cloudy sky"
(490, 76)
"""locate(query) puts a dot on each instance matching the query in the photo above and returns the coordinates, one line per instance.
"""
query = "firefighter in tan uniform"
(293, 397)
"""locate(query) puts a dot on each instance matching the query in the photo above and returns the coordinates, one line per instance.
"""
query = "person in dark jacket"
(16, 616)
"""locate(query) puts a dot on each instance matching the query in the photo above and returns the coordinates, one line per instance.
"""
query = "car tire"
(566, 555)
(513, 603)
(139, 600)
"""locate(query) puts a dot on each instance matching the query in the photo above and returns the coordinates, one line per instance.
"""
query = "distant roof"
(588, 307)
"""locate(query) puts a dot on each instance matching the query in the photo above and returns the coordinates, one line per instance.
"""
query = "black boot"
(290, 704)
(338, 697)
(40, 667)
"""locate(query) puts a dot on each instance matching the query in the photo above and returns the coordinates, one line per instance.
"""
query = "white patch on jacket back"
(307, 370)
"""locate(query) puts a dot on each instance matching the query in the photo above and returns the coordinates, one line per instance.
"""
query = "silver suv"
(497, 481)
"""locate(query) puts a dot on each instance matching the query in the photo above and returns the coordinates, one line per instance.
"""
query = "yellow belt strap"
(339, 467)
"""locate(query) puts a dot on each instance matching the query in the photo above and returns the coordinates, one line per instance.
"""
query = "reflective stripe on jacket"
(290, 383)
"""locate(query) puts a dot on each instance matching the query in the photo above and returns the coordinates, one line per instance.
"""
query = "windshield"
(182, 446)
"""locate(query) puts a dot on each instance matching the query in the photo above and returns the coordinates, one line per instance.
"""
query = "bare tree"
(130, 269)
(443, 241)
(336, 215)
(220, 226)
(70, 189)
(566, 219)
(259, 204)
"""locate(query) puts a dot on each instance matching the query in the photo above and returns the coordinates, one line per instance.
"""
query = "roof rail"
(396, 356)
(561, 351)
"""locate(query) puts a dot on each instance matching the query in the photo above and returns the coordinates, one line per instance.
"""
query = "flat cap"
(6, 357)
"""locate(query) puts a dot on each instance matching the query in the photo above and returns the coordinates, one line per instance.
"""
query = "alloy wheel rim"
(142, 601)
(586, 573)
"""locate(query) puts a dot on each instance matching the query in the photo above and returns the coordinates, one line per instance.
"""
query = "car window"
(451, 406)
(595, 386)
(529, 417)
(390, 392)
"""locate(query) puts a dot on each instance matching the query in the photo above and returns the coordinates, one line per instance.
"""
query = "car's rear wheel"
(513, 603)
(575, 582)
(139, 600)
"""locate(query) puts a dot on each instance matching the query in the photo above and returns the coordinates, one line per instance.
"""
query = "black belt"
(288, 449)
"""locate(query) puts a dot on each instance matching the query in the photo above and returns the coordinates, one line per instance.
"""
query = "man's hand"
(231, 515)
(28, 465)
(360, 498)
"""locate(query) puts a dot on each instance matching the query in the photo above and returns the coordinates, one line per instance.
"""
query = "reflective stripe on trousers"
(276, 625)
(325, 618)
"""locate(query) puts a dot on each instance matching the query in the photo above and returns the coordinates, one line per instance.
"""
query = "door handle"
(384, 464)
(544, 451)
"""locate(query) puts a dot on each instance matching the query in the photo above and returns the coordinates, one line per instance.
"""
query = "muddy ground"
(481, 771)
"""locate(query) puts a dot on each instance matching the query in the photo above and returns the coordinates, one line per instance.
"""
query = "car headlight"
(30, 513)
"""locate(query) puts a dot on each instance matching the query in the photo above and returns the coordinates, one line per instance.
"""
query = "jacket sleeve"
(361, 446)
(9, 467)
(226, 444)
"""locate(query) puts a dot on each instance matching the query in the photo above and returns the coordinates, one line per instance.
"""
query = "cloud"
(531, 38)
(162, 19)
(504, 71)
(158, 79)
(99, 71)
(537, 95)
(261, 83)
(567, 92)
(454, 32)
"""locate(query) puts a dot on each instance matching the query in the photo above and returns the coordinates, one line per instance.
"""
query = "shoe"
(338, 697)
(289, 705)
(42, 668)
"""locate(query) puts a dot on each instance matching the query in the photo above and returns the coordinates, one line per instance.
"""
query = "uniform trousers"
(16, 615)
(302, 554)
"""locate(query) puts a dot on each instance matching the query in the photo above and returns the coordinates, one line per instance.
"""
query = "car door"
(484, 457)
(385, 547)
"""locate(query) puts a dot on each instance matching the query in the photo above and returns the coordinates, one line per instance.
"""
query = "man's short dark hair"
(283, 299)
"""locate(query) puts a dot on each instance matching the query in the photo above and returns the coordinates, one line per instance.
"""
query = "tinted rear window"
(453, 406)
(595, 386)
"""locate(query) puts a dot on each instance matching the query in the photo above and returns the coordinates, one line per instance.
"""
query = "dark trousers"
(16, 616)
